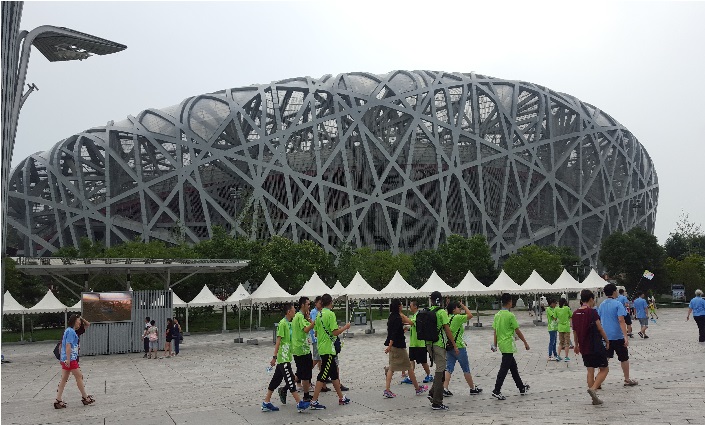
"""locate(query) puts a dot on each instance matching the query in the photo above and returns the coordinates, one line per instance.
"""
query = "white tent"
(593, 281)
(48, 304)
(566, 283)
(11, 306)
(176, 301)
(338, 289)
(503, 284)
(236, 298)
(205, 298)
(399, 288)
(268, 292)
(470, 286)
(535, 284)
(359, 289)
(75, 307)
(435, 283)
(314, 287)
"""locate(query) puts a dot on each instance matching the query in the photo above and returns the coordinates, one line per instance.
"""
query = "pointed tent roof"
(48, 304)
(360, 289)
(176, 301)
(504, 283)
(237, 296)
(314, 287)
(338, 289)
(470, 286)
(398, 287)
(435, 283)
(566, 283)
(205, 298)
(75, 307)
(593, 281)
(11, 306)
(535, 284)
(269, 292)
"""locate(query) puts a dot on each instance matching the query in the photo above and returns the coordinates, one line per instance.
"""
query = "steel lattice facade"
(397, 161)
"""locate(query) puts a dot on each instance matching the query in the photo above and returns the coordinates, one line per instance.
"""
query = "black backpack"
(427, 325)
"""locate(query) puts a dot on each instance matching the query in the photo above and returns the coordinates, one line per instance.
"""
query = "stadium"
(397, 162)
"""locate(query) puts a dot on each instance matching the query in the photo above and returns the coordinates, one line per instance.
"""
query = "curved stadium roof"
(396, 161)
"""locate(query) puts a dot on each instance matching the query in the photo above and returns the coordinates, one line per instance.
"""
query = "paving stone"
(216, 381)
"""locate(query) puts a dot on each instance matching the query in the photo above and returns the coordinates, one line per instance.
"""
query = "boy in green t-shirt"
(552, 330)
(300, 326)
(437, 351)
(505, 326)
(326, 327)
(417, 348)
(282, 359)
(460, 315)
(563, 314)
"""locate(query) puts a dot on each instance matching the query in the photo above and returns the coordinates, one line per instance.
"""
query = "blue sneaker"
(269, 407)
(428, 379)
(315, 405)
(302, 405)
(343, 401)
(406, 380)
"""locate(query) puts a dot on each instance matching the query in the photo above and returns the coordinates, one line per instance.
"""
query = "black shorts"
(418, 355)
(283, 373)
(628, 319)
(304, 367)
(329, 368)
(595, 360)
(168, 340)
(618, 347)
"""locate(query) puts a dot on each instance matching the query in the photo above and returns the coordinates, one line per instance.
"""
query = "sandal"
(630, 383)
(58, 404)
(88, 400)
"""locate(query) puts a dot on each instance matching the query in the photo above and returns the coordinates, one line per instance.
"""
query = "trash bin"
(360, 318)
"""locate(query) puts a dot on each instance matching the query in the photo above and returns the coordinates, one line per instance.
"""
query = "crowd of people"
(309, 338)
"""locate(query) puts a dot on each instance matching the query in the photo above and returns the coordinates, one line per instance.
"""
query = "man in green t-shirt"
(301, 325)
(282, 359)
(505, 326)
(417, 349)
(437, 351)
(326, 327)
(552, 320)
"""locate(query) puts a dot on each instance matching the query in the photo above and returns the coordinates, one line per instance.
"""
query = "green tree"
(627, 255)
(688, 239)
(458, 255)
(689, 272)
(425, 263)
(568, 260)
(532, 257)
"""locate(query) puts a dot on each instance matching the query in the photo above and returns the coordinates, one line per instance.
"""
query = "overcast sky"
(640, 62)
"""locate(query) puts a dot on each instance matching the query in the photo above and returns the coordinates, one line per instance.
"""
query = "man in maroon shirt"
(587, 331)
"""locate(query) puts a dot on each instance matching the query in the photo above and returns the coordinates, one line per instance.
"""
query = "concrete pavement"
(215, 381)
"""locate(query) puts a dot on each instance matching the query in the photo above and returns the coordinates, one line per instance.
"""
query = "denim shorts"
(462, 358)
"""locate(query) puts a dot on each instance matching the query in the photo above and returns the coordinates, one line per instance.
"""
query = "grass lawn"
(36, 335)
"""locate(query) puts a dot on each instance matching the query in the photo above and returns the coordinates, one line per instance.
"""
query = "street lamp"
(56, 44)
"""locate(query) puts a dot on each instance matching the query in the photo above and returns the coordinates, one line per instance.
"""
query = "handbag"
(57, 351)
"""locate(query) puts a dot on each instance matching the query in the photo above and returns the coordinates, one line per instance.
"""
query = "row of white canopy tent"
(270, 291)
(48, 304)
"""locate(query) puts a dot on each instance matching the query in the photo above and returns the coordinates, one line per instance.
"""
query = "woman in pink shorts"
(69, 363)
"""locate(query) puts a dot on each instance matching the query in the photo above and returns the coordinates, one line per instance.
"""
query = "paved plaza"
(215, 381)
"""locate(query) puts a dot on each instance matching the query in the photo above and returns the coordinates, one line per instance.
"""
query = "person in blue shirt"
(612, 314)
(642, 313)
(69, 363)
(622, 298)
(697, 308)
